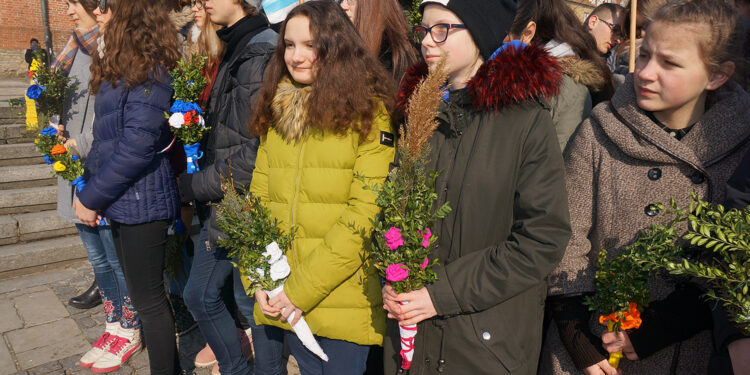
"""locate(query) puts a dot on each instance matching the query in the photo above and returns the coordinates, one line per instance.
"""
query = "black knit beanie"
(488, 21)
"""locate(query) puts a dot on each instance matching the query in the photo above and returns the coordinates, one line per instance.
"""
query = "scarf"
(289, 108)
(80, 38)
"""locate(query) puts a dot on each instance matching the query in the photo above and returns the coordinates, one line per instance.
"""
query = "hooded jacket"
(312, 184)
(502, 172)
(618, 163)
(250, 45)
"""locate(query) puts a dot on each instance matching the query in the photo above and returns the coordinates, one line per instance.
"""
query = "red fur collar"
(514, 76)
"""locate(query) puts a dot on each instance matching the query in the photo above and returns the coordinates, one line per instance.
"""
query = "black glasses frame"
(199, 4)
(103, 6)
(416, 30)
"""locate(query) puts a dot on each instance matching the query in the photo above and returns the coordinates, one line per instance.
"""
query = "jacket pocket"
(512, 330)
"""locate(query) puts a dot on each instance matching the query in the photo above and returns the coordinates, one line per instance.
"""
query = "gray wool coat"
(618, 163)
(78, 118)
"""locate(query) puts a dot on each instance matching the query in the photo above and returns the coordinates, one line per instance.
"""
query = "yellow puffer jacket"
(312, 184)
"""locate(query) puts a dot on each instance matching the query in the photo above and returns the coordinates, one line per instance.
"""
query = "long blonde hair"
(207, 43)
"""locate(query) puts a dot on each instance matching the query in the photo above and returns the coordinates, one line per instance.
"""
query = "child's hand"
(282, 302)
(415, 306)
(389, 301)
(615, 341)
(602, 368)
(267, 309)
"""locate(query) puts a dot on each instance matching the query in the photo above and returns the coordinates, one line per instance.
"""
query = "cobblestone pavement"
(41, 334)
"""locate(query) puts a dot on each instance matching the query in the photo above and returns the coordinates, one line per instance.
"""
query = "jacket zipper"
(294, 199)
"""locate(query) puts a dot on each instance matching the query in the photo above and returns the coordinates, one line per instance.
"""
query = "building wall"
(21, 20)
(583, 8)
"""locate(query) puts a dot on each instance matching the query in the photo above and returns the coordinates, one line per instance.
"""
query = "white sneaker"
(126, 343)
(101, 346)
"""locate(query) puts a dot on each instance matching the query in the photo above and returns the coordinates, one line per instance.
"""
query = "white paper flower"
(280, 269)
(260, 272)
(201, 121)
(273, 252)
(176, 120)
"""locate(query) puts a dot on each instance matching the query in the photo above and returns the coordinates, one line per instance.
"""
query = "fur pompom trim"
(515, 76)
(289, 107)
(411, 79)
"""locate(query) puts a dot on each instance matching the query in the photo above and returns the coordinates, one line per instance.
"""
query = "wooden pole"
(633, 14)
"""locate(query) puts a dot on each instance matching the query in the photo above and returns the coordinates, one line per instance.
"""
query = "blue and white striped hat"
(276, 10)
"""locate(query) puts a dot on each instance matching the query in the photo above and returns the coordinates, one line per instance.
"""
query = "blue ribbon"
(48, 160)
(192, 153)
(179, 227)
(74, 158)
(182, 107)
(48, 132)
(79, 183)
(34, 91)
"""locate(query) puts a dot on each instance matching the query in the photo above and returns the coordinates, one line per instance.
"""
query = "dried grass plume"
(422, 111)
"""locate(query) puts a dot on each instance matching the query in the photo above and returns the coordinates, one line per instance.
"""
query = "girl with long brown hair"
(128, 180)
(382, 26)
(323, 124)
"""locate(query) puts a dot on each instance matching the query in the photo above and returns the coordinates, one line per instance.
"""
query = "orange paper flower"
(630, 319)
(58, 150)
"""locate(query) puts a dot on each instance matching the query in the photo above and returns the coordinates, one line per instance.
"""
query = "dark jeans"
(344, 358)
(202, 295)
(268, 341)
(140, 248)
(100, 248)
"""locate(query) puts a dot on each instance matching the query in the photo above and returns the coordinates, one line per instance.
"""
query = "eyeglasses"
(103, 6)
(613, 27)
(198, 4)
(438, 32)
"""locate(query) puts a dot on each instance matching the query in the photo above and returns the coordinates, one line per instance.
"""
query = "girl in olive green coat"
(323, 124)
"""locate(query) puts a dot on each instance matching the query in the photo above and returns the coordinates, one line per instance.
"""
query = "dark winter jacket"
(250, 45)
(126, 176)
(502, 172)
(738, 187)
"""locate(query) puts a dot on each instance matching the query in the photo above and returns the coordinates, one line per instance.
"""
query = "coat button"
(486, 336)
(426, 360)
(650, 210)
(697, 178)
(654, 174)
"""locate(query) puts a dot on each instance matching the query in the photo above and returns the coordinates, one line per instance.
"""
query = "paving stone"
(25, 173)
(86, 322)
(9, 319)
(144, 371)
(139, 360)
(23, 150)
(92, 334)
(124, 370)
(38, 253)
(47, 342)
(70, 363)
(58, 372)
(45, 368)
(34, 225)
(7, 366)
(21, 285)
(65, 291)
(41, 307)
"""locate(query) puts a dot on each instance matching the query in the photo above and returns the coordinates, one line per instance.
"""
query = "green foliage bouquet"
(725, 234)
(403, 236)
(50, 88)
(255, 239)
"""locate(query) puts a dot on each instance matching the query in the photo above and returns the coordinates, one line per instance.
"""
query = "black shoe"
(87, 299)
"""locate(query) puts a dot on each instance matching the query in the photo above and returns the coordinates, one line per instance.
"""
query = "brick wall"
(21, 20)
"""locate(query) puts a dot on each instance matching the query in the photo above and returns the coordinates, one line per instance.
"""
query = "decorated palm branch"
(49, 90)
(186, 120)
(403, 235)
(258, 244)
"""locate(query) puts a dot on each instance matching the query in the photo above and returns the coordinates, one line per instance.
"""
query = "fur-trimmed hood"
(181, 18)
(515, 75)
(583, 72)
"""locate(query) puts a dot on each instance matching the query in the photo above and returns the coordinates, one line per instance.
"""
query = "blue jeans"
(202, 296)
(268, 341)
(108, 275)
(344, 358)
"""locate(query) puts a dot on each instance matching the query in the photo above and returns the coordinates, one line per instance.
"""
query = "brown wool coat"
(611, 178)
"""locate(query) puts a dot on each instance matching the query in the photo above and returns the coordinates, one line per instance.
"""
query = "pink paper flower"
(396, 272)
(426, 237)
(393, 238)
(426, 261)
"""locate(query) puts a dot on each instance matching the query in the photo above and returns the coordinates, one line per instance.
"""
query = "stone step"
(36, 199)
(26, 176)
(33, 226)
(21, 256)
(19, 154)
(41, 225)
